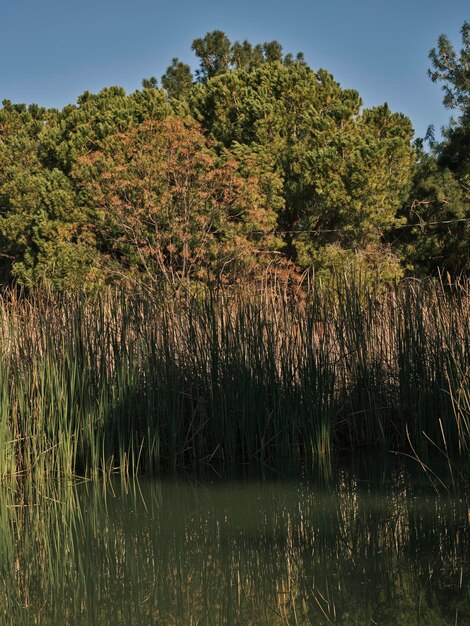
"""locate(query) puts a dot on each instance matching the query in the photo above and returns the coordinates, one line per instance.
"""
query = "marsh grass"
(132, 384)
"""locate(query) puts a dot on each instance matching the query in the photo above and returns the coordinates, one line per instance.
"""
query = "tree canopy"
(439, 204)
(255, 161)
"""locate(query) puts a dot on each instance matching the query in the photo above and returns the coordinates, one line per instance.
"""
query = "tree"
(80, 129)
(271, 146)
(214, 52)
(150, 83)
(439, 204)
(272, 52)
(453, 71)
(40, 219)
(178, 79)
(44, 227)
(246, 56)
(345, 174)
(169, 211)
(437, 236)
(218, 56)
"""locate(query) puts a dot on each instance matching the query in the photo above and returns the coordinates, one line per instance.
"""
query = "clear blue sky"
(53, 50)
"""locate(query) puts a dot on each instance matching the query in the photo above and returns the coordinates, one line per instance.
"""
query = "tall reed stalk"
(133, 384)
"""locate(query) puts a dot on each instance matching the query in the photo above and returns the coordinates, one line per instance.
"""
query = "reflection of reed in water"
(170, 552)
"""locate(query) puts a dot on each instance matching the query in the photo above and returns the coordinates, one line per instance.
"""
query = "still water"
(356, 545)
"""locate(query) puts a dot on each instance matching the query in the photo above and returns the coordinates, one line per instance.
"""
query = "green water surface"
(362, 544)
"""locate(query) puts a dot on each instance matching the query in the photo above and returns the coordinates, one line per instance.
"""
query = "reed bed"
(135, 384)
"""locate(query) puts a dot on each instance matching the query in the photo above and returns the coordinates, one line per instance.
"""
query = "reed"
(135, 384)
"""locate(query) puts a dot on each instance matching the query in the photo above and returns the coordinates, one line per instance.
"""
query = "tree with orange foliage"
(168, 209)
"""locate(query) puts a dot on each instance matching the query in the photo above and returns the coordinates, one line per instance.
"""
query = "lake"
(362, 543)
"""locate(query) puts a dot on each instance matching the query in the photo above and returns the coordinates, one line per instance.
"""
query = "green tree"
(45, 231)
(217, 55)
(345, 173)
(80, 129)
(41, 224)
(150, 83)
(272, 52)
(436, 237)
(178, 79)
(439, 204)
(214, 54)
(246, 56)
(453, 70)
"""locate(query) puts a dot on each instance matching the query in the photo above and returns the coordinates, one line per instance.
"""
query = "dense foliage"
(256, 162)
(441, 187)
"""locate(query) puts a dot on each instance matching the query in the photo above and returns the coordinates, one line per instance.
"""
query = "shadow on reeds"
(133, 384)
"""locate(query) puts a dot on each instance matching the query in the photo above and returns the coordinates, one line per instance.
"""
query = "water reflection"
(347, 550)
